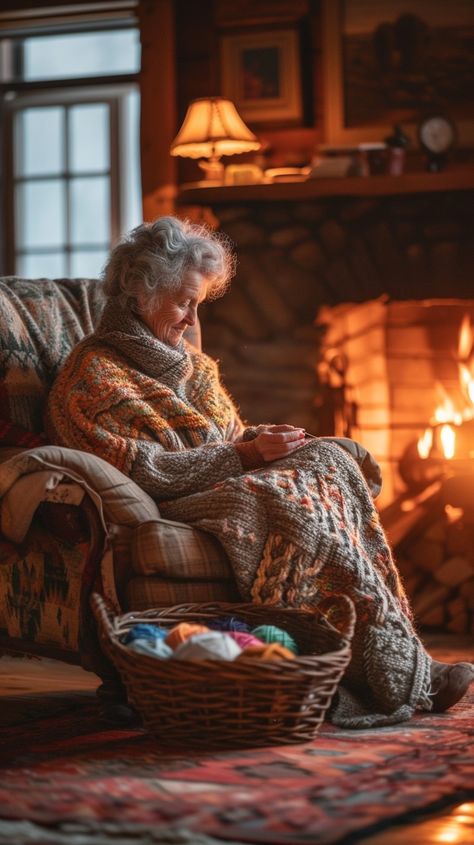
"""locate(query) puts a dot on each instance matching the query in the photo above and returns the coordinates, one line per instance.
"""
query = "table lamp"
(212, 128)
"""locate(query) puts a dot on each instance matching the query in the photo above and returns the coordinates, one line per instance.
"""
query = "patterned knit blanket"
(303, 529)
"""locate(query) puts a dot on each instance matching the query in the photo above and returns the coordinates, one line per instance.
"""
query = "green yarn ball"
(272, 634)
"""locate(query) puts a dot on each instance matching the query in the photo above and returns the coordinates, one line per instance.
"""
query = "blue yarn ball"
(143, 631)
(272, 634)
(229, 623)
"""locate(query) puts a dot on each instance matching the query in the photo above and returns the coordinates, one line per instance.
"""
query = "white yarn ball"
(214, 645)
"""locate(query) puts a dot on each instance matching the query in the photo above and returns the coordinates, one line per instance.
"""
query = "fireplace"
(292, 349)
(406, 370)
(404, 375)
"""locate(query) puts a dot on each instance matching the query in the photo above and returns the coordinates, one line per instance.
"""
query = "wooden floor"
(452, 826)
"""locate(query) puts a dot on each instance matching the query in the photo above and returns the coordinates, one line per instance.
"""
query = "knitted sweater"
(295, 531)
(157, 413)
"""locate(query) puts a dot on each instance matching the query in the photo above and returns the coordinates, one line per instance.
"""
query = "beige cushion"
(117, 497)
(145, 593)
(175, 550)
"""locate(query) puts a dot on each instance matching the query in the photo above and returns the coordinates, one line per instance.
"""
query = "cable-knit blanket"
(303, 529)
(295, 532)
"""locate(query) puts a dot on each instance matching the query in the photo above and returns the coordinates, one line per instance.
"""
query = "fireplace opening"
(401, 374)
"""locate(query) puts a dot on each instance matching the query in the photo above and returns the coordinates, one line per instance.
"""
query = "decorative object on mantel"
(287, 174)
(437, 136)
(243, 174)
(212, 127)
(397, 143)
(330, 160)
(371, 158)
(364, 159)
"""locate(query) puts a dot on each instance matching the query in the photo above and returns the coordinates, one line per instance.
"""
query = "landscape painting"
(402, 58)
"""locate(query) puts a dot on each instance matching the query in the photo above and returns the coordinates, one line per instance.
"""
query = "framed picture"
(392, 61)
(260, 73)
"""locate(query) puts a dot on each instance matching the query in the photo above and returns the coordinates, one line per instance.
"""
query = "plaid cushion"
(121, 500)
(175, 550)
(145, 593)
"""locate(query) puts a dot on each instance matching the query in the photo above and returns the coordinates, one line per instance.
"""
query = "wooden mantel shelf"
(452, 179)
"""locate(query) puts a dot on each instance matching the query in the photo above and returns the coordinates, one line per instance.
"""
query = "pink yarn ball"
(243, 639)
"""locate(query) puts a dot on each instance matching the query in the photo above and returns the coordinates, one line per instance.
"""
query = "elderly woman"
(294, 514)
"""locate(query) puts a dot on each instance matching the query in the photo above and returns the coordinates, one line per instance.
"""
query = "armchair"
(69, 521)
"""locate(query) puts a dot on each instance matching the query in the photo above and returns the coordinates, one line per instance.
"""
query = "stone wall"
(295, 257)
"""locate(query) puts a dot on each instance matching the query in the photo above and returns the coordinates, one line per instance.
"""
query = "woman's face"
(177, 309)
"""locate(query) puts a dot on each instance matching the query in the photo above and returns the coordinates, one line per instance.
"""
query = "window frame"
(17, 93)
(114, 97)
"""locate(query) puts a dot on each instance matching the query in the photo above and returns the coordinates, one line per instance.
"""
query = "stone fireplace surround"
(297, 259)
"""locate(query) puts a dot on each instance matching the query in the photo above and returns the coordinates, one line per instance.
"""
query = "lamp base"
(213, 169)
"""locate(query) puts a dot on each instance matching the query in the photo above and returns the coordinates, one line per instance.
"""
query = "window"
(73, 149)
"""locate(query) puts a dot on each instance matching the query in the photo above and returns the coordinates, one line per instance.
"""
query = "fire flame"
(467, 382)
(466, 358)
(447, 436)
(465, 349)
(442, 431)
(425, 443)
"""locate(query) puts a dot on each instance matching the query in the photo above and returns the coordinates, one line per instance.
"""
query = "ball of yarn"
(229, 623)
(243, 639)
(143, 631)
(180, 633)
(272, 651)
(152, 648)
(272, 634)
(213, 645)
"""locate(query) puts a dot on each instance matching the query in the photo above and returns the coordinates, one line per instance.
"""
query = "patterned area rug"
(62, 770)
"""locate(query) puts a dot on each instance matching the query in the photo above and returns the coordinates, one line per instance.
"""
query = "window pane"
(41, 214)
(49, 265)
(39, 141)
(81, 54)
(132, 212)
(90, 210)
(87, 265)
(89, 137)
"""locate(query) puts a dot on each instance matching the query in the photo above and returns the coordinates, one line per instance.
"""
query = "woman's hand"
(277, 441)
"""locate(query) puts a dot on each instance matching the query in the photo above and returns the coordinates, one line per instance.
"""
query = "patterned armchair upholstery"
(70, 522)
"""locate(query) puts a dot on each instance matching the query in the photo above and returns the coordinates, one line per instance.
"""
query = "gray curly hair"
(152, 259)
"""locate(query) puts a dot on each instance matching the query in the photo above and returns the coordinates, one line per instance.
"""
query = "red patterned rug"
(59, 766)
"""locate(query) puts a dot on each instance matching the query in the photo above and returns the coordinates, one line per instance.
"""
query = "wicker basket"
(220, 704)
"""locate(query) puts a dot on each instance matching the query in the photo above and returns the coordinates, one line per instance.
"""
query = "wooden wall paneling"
(259, 12)
(158, 106)
(197, 66)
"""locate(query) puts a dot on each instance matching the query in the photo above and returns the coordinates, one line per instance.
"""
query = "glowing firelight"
(447, 436)
(425, 443)
(445, 411)
(440, 437)
(467, 382)
(465, 349)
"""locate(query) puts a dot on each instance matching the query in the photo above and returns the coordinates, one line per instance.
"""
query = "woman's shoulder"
(91, 357)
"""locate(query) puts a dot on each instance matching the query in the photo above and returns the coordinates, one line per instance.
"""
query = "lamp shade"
(211, 128)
